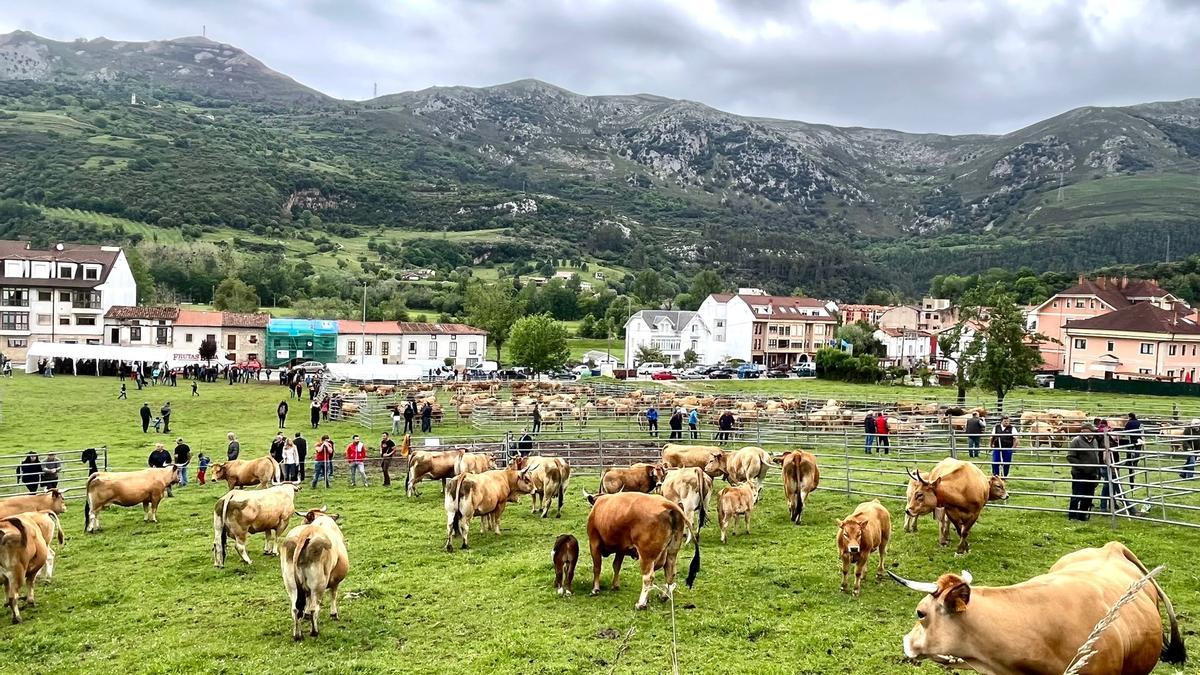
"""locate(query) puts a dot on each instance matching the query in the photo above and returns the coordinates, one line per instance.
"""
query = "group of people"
(36, 473)
(676, 421)
(162, 423)
(409, 411)
(292, 455)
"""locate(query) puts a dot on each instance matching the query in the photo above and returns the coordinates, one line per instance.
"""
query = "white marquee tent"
(85, 352)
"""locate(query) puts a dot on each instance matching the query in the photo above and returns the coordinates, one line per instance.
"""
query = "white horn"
(966, 577)
(921, 586)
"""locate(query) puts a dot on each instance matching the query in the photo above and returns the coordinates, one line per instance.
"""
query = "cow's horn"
(63, 491)
(966, 577)
(921, 586)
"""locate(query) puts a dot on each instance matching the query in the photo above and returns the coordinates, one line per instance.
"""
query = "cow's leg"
(669, 566)
(239, 543)
(314, 608)
(963, 532)
(647, 563)
(450, 532)
(30, 578)
(845, 571)
(883, 544)
(11, 589)
(860, 570)
(533, 501)
(153, 510)
(943, 528)
(464, 525)
(722, 521)
(333, 597)
(618, 560)
(145, 512)
(496, 517)
(597, 561)
(746, 517)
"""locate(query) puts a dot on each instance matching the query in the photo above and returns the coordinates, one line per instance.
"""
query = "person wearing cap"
(183, 455)
(1003, 442)
(1085, 472)
(1192, 443)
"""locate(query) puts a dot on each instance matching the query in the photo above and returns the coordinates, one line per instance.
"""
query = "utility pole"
(364, 319)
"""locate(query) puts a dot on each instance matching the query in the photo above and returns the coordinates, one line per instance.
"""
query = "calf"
(865, 530)
(735, 501)
(566, 554)
(23, 552)
(314, 560)
(689, 488)
(435, 464)
(747, 464)
(248, 472)
(473, 462)
(639, 477)
(241, 513)
(51, 500)
(127, 488)
(485, 495)
(800, 477)
(549, 477)
(648, 527)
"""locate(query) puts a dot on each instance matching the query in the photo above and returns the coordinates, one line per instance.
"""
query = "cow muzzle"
(852, 550)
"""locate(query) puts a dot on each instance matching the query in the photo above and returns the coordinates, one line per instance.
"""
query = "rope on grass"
(670, 594)
(1088, 649)
(622, 648)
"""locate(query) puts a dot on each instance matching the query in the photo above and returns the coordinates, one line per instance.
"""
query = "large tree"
(539, 342)
(1003, 354)
(494, 308)
(235, 295)
(208, 349)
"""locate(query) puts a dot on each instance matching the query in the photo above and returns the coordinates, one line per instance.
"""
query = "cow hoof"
(595, 591)
(640, 606)
(558, 515)
(568, 593)
(314, 633)
(297, 637)
(16, 619)
(559, 591)
(465, 547)
(334, 617)
(449, 548)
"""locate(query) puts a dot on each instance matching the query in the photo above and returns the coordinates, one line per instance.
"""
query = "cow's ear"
(955, 600)
(838, 522)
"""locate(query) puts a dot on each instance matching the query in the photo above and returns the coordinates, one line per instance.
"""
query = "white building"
(905, 347)
(766, 329)
(394, 342)
(59, 294)
(239, 337)
(601, 358)
(671, 332)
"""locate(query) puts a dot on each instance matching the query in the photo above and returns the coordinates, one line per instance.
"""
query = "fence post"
(846, 454)
(953, 442)
(600, 447)
(105, 449)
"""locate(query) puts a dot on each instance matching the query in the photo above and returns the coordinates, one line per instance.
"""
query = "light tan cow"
(748, 464)
(485, 495)
(956, 491)
(637, 477)
(549, 477)
(314, 560)
(241, 513)
(49, 525)
(677, 456)
(736, 501)
(262, 472)
(689, 487)
(867, 529)
(127, 488)
(800, 477)
(23, 552)
(473, 462)
(51, 500)
(434, 464)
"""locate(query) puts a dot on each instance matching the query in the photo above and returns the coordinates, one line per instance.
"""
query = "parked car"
(696, 373)
(1044, 380)
(806, 369)
(663, 375)
(649, 368)
(311, 366)
(720, 374)
(561, 375)
(748, 371)
(777, 373)
(512, 374)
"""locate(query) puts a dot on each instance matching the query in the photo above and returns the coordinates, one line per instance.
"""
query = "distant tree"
(690, 358)
(141, 274)
(208, 349)
(648, 354)
(539, 342)
(494, 308)
(1003, 355)
(861, 337)
(235, 295)
(704, 284)
(587, 327)
(648, 286)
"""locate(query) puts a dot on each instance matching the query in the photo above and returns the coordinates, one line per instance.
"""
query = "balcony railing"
(85, 303)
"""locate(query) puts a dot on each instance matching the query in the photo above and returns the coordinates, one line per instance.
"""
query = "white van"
(649, 368)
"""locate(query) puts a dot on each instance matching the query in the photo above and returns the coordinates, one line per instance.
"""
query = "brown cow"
(241, 513)
(747, 464)
(734, 501)
(800, 477)
(1047, 618)
(262, 472)
(473, 462)
(435, 464)
(680, 456)
(42, 501)
(910, 520)
(689, 488)
(485, 495)
(127, 488)
(865, 530)
(49, 525)
(639, 477)
(314, 560)
(549, 477)
(649, 527)
(566, 555)
(957, 491)
(23, 552)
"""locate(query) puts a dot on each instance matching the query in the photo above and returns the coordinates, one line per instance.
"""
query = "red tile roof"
(1142, 317)
(193, 317)
(787, 308)
(148, 313)
(407, 328)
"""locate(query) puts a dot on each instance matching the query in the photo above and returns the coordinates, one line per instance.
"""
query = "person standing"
(676, 424)
(282, 412)
(652, 421)
(202, 463)
(537, 418)
(195, 389)
(277, 444)
(868, 431)
(29, 471)
(291, 461)
(524, 445)
(1003, 442)
(397, 419)
(314, 413)
(387, 450)
(1191, 444)
(159, 457)
(694, 423)
(881, 434)
(234, 448)
(146, 415)
(725, 424)
(1135, 441)
(165, 411)
(974, 429)
(124, 395)
(301, 444)
(427, 417)
(410, 411)
(323, 461)
(356, 457)
(1085, 472)
(183, 455)
(89, 457)
(51, 468)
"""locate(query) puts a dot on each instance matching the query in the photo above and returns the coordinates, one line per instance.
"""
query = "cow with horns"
(955, 492)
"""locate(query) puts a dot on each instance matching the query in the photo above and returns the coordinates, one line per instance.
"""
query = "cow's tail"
(705, 487)
(57, 526)
(20, 527)
(678, 525)
(277, 472)
(301, 591)
(1173, 650)
(220, 529)
(455, 523)
(408, 477)
(797, 479)
(564, 477)
(600, 491)
(87, 505)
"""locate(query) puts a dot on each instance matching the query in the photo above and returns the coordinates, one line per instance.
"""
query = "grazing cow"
(49, 525)
(473, 462)
(680, 456)
(734, 501)
(314, 560)
(957, 491)
(867, 529)
(639, 477)
(127, 488)
(434, 464)
(566, 555)
(650, 528)
(689, 488)
(241, 513)
(51, 500)
(747, 464)
(23, 552)
(485, 495)
(1046, 619)
(800, 477)
(262, 472)
(549, 476)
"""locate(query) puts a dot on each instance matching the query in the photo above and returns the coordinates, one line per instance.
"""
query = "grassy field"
(145, 598)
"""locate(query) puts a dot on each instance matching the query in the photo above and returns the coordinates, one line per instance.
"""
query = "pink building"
(1138, 341)
(855, 313)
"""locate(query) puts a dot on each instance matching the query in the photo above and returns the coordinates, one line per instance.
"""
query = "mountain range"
(647, 180)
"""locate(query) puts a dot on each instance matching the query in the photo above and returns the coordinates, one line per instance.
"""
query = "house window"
(45, 296)
(18, 342)
(14, 321)
(1080, 343)
(1091, 304)
(453, 349)
(1147, 348)
(43, 320)
(758, 345)
(211, 337)
(471, 348)
(64, 296)
(187, 337)
(1171, 374)
(13, 268)
(772, 344)
(1054, 304)
(368, 348)
(1171, 350)
(231, 342)
(1079, 304)
(64, 321)
(720, 323)
(412, 348)
(14, 297)
(385, 347)
(135, 334)
(432, 348)
(66, 271)
(1143, 371)
(85, 321)
(1077, 367)
(1111, 346)
(160, 335)
(351, 348)
(91, 273)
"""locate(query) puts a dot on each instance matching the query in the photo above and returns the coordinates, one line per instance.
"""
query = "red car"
(663, 375)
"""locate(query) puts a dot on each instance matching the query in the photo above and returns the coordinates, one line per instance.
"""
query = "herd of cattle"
(650, 511)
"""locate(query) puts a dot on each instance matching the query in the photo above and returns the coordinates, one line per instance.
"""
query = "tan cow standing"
(867, 529)
(678, 456)
(127, 488)
(23, 552)
(638, 477)
(748, 464)
(957, 491)
(49, 525)
(689, 488)
(262, 472)
(736, 501)
(549, 477)
(314, 561)
(51, 500)
(241, 513)
(800, 477)
(485, 495)
(434, 464)
(473, 462)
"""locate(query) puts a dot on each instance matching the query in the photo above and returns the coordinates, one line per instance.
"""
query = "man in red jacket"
(881, 433)
(323, 461)
(356, 457)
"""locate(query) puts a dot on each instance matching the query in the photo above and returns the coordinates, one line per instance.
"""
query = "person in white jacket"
(291, 461)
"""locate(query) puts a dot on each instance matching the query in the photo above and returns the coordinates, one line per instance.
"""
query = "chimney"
(1082, 278)
(1124, 282)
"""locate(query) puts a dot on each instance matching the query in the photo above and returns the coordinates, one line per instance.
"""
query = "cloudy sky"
(919, 65)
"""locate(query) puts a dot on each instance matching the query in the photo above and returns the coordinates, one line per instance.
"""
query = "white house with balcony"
(60, 294)
(409, 342)
(671, 332)
(906, 347)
